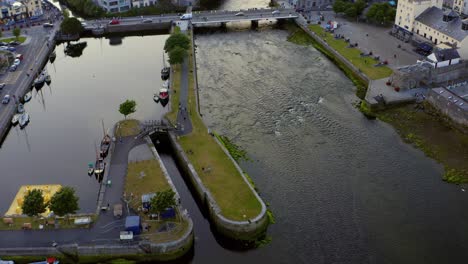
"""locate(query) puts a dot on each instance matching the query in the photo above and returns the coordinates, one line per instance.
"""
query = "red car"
(114, 22)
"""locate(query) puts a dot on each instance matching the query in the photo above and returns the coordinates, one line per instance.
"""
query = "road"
(199, 17)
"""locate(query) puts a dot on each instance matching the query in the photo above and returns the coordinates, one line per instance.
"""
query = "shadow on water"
(197, 208)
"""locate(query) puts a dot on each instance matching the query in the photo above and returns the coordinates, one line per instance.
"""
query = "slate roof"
(446, 54)
(432, 17)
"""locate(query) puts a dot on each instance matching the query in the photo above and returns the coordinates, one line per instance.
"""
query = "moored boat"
(27, 97)
(23, 120)
(165, 84)
(166, 71)
(52, 56)
(20, 108)
(163, 94)
(99, 166)
(40, 80)
(48, 80)
(15, 119)
(105, 145)
(90, 169)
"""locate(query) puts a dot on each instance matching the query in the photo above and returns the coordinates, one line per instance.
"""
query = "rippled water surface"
(344, 189)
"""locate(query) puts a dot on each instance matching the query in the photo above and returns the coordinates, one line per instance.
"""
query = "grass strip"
(298, 36)
(217, 172)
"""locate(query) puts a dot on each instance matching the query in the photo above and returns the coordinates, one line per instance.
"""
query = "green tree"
(177, 40)
(360, 6)
(177, 55)
(127, 107)
(16, 33)
(162, 200)
(71, 26)
(66, 13)
(381, 13)
(33, 203)
(64, 202)
(339, 6)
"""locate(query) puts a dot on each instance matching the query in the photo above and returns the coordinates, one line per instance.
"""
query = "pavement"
(18, 82)
(105, 231)
(373, 38)
(183, 118)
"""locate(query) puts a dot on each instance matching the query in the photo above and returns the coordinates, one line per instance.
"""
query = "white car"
(83, 24)
(276, 12)
(239, 14)
(4, 48)
(147, 20)
(6, 99)
(17, 62)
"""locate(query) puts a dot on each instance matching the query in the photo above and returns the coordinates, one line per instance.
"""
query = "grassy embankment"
(20, 39)
(36, 221)
(430, 133)
(216, 170)
(424, 129)
(365, 64)
(298, 36)
(145, 177)
(128, 127)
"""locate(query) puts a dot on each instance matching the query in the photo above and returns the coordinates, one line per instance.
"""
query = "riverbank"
(235, 208)
(424, 129)
(299, 36)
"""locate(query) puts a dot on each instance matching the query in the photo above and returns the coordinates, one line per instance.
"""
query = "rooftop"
(433, 16)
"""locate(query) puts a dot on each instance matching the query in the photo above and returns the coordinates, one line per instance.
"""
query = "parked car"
(239, 14)
(13, 68)
(14, 43)
(12, 49)
(17, 62)
(48, 25)
(3, 44)
(147, 20)
(19, 56)
(2, 85)
(83, 24)
(6, 99)
(114, 22)
(3, 48)
(276, 12)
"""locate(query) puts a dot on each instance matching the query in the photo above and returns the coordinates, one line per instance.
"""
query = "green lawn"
(153, 181)
(128, 127)
(20, 39)
(216, 170)
(365, 64)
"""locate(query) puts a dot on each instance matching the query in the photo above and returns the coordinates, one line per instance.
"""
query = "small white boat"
(20, 108)
(27, 97)
(15, 119)
(165, 84)
(23, 120)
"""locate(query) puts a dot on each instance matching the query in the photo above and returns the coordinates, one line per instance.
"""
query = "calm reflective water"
(65, 126)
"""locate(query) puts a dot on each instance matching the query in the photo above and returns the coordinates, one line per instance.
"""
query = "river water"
(343, 189)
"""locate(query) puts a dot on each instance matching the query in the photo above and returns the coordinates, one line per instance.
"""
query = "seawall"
(23, 87)
(238, 230)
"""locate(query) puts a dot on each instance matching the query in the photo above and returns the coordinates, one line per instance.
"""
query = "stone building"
(450, 103)
(408, 10)
(115, 6)
(18, 10)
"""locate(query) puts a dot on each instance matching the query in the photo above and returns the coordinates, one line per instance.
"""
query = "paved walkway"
(183, 117)
(104, 231)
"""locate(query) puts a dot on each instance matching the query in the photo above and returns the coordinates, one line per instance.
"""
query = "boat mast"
(103, 129)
